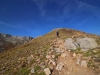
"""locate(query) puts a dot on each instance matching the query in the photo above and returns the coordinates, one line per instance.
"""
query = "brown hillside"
(20, 60)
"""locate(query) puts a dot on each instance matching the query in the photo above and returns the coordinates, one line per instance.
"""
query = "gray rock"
(83, 63)
(32, 70)
(87, 43)
(70, 44)
(47, 71)
(78, 61)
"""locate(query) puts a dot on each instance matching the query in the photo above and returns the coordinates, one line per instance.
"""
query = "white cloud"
(21, 27)
(6, 24)
(70, 8)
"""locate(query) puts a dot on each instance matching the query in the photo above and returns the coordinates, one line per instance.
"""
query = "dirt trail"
(70, 67)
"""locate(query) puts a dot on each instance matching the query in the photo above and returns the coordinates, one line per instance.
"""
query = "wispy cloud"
(22, 27)
(41, 4)
(69, 8)
(6, 24)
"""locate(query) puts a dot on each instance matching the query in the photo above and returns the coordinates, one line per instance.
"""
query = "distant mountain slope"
(31, 58)
(8, 41)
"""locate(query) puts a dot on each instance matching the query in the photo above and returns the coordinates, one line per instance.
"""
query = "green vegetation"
(77, 51)
(23, 71)
(37, 68)
(90, 63)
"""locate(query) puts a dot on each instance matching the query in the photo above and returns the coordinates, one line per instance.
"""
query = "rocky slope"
(8, 41)
(69, 63)
(73, 53)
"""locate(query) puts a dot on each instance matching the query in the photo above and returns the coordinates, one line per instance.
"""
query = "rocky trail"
(69, 63)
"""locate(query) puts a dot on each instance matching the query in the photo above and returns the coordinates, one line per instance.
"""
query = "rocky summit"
(72, 53)
(8, 41)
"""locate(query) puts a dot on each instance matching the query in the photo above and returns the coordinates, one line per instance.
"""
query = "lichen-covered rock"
(87, 43)
(70, 44)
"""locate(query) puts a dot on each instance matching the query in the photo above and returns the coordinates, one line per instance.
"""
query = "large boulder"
(83, 43)
(70, 44)
(87, 43)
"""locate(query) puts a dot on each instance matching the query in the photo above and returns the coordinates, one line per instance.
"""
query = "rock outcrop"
(83, 43)
(87, 43)
(70, 44)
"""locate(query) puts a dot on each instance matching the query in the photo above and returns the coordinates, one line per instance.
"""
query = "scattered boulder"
(95, 51)
(48, 56)
(32, 70)
(52, 62)
(59, 66)
(74, 54)
(29, 59)
(78, 61)
(63, 55)
(47, 71)
(42, 64)
(53, 56)
(69, 50)
(84, 63)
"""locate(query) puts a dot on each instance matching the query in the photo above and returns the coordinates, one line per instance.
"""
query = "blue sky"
(38, 17)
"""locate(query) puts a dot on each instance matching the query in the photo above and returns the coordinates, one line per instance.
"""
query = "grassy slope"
(9, 60)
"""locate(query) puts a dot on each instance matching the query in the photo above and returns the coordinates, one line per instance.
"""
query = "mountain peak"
(8, 41)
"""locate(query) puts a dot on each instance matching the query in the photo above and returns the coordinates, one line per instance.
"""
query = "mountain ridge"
(8, 41)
